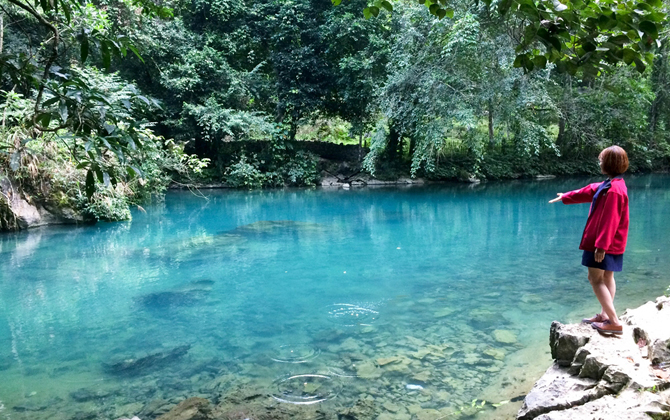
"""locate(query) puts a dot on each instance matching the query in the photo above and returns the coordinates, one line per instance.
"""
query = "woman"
(605, 235)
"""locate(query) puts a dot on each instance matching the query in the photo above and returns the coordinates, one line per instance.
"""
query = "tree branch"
(54, 51)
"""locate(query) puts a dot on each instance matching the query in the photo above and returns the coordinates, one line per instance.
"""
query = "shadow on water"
(192, 293)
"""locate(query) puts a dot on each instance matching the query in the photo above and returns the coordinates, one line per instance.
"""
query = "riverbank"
(610, 377)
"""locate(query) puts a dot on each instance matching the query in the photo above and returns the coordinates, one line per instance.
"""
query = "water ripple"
(305, 389)
(295, 353)
(348, 315)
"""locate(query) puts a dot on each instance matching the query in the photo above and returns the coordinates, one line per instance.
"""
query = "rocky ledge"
(20, 211)
(607, 377)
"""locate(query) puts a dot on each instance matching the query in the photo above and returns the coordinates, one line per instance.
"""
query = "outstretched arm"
(557, 199)
(584, 195)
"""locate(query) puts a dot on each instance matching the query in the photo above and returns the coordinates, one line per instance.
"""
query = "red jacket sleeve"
(585, 195)
(609, 220)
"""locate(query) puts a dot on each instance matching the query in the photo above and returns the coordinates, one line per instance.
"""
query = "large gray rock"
(591, 368)
(629, 405)
(557, 390)
(651, 332)
(565, 340)
(18, 211)
(659, 351)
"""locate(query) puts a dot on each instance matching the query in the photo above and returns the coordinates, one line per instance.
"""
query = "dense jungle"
(105, 104)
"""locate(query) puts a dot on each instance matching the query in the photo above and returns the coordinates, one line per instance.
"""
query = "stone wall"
(326, 150)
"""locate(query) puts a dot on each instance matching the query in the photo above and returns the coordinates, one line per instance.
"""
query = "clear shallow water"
(310, 298)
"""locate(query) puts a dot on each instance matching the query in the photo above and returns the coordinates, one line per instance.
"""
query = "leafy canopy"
(577, 35)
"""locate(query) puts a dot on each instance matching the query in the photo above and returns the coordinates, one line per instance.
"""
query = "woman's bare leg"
(608, 278)
(600, 280)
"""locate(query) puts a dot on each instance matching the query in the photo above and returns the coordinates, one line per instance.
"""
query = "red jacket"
(607, 225)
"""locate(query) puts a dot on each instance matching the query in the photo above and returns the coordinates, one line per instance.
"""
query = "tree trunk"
(561, 131)
(2, 32)
(491, 141)
(360, 147)
(392, 147)
(293, 130)
(659, 79)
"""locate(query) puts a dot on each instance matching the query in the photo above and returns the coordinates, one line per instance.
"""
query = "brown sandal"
(607, 328)
(597, 318)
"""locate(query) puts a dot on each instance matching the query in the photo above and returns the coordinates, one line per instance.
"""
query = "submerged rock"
(190, 409)
(5, 363)
(387, 360)
(88, 394)
(172, 299)
(137, 365)
(204, 246)
(368, 370)
(504, 336)
(363, 409)
(497, 354)
(201, 284)
(277, 226)
(444, 312)
(30, 406)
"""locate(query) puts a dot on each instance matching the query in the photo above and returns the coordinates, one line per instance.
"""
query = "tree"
(576, 36)
(93, 126)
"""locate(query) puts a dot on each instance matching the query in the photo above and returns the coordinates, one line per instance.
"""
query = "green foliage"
(577, 37)
(301, 170)
(217, 122)
(275, 169)
(435, 97)
(331, 130)
(244, 174)
(46, 169)
(71, 99)
(107, 204)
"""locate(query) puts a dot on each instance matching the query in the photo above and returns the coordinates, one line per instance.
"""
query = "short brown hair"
(614, 160)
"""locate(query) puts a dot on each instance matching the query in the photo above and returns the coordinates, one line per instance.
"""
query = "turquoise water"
(420, 300)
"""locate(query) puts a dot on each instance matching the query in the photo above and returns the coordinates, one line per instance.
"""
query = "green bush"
(108, 204)
(45, 169)
(244, 174)
(276, 169)
(301, 170)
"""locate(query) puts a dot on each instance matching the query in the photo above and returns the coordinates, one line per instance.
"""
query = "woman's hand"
(557, 198)
(599, 255)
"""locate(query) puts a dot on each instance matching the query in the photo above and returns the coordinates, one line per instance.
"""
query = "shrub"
(244, 174)
(301, 170)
